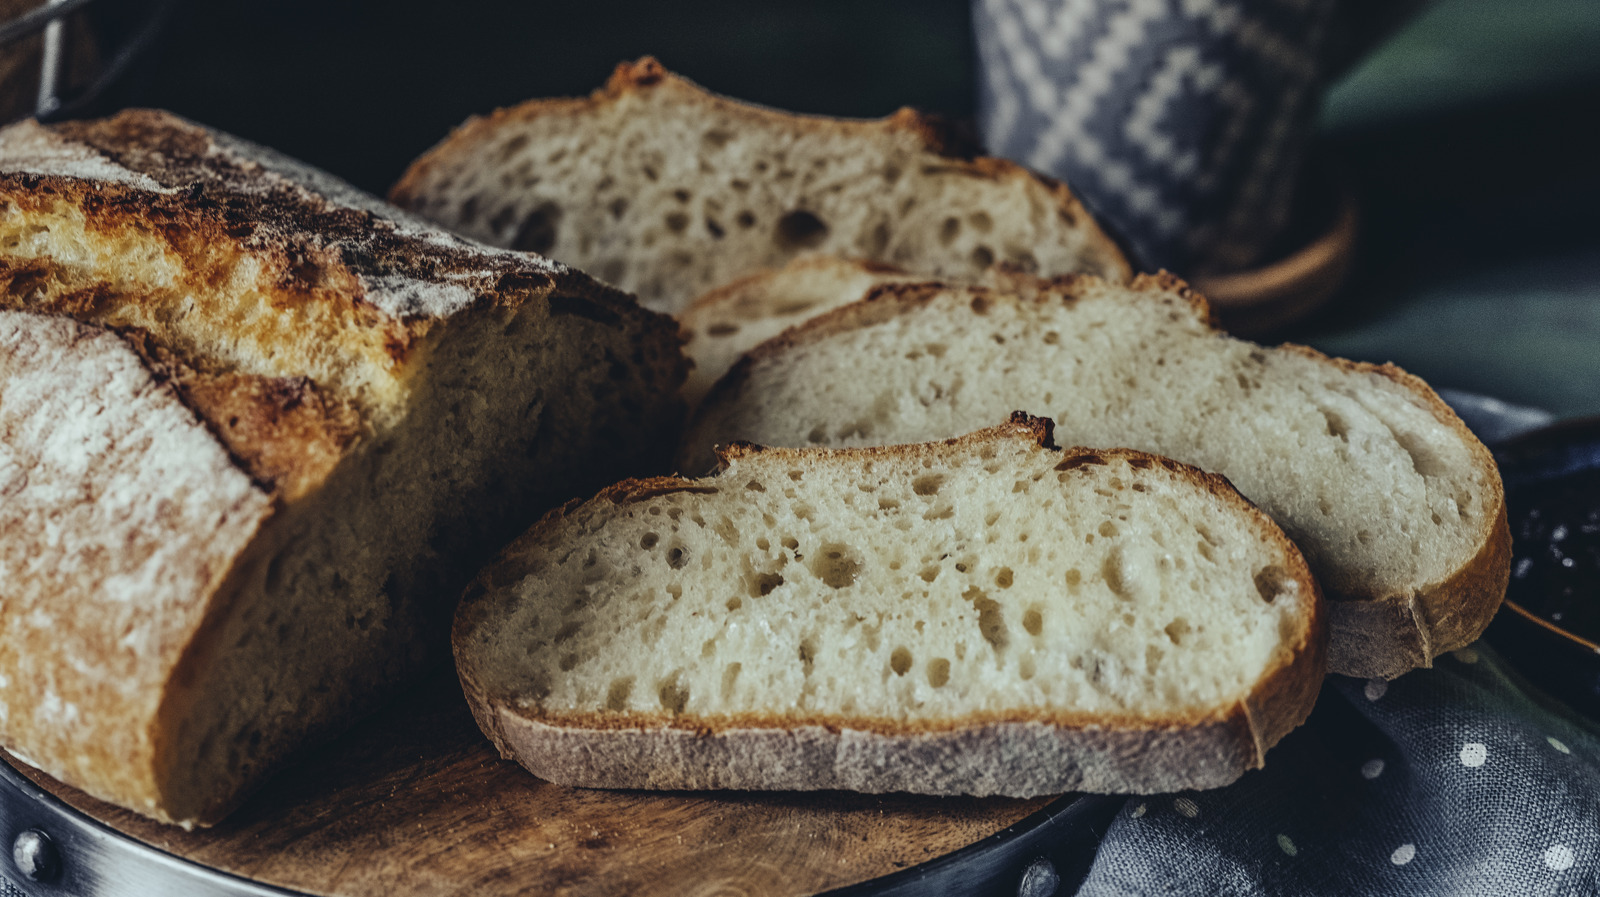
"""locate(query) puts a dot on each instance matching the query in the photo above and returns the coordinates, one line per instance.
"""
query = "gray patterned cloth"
(1183, 123)
(1451, 781)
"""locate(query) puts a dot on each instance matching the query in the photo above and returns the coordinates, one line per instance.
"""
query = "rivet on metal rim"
(35, 855)
(1040, 879)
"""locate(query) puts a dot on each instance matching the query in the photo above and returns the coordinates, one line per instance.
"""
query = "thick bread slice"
(667, 190)
(1396, 505)
(987, 615)
(256, 431)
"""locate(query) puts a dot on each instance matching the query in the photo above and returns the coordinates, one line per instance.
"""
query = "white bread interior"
(986, 616)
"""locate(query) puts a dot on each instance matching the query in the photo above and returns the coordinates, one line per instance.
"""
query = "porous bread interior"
(352, 591)
(898, 590)
(667, 193)
(204, 303)
(346, 593)
(727, 322)
(1382, 495)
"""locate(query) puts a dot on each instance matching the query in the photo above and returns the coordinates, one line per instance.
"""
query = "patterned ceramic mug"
(1183, 123)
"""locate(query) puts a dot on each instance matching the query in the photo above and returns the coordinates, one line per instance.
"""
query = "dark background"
(1471, 135)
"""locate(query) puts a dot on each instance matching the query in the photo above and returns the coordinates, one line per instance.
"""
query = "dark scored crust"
(1019, 753)
(1377, 636)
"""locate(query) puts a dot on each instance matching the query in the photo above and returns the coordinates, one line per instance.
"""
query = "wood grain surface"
(414, 801)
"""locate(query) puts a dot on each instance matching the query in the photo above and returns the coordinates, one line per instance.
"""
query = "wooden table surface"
(414, 801)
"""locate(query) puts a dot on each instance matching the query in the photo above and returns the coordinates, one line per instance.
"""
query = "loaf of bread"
(257, 430)
(1397, 506)
(987, 615)
(667, 190)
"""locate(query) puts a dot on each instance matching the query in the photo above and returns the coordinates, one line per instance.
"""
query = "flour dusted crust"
(681, 213)
(1379, 630)
(1021, 752)
(257, 427)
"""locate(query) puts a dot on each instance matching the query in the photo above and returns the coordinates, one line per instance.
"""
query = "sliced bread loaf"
(256, 432)
(667, 190)
(987, 615)
(1396, 505)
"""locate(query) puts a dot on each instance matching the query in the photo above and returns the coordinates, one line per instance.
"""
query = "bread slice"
(1396, 505)
(667, 190)
(721, 326)
(256, 432)
(987, 615)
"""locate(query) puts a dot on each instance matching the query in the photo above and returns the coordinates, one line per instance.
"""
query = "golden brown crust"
(282, 431)
(784, 750)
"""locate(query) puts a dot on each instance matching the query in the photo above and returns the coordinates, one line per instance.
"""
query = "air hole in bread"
(1108, 529)
(1206, 551)
(800, 229)
(674, 697)
(734, 603)
(1152, 658)
(941, 512)
(929, 573)
(808, 656)
(991, 620)
(982, 257)
(538, 230)
(1004, 577)
(1272, 581)
(949, 230)
(676, 591)
(818, 435)
(878, 239)
(708, 648)
(927, 485)
(900, 660)
(1025, 668)
(716, 138)
(1033, 620)
(715, 228)
(745, 220)
(1336, 425)
(888, 504)
(568, 661)
(617, 694)
(764, 583)
(677, 557)
(991, 518)
(790, 543)
(938, 672)
(677, 222)
(1177, 630)
(648, 541)
(836, 565)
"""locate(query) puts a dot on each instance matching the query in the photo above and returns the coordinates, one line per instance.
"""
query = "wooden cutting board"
(415, 802)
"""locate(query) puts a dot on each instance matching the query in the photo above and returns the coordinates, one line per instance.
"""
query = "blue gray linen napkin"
(1450, 781)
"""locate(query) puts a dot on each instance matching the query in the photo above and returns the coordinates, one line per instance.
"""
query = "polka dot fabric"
(1449, 781)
